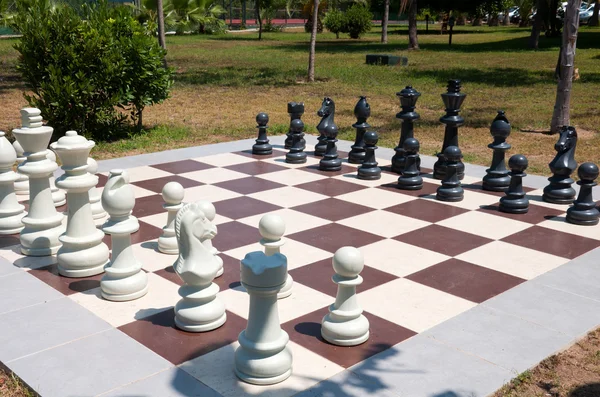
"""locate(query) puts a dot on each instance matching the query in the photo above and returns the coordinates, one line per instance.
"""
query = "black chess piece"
(262, 146)
(450, 189)
(453, 100)
(560, 191)
(327, 113)
(411, 176)
(330, 160)
(515, 201)
(408, 99)
(496, 178)
(584, 211)
(295, 110)
(362, 111)
(296, 155)
(369, 169)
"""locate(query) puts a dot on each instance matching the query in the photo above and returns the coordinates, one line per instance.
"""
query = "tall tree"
(258, 18)
(313, 42)
(384, 22)
(161, 26)
(593, 21)
(564, 67)
(413, 42)
(538, 23)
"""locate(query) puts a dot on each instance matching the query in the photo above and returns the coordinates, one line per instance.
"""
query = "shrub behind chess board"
(92, 68)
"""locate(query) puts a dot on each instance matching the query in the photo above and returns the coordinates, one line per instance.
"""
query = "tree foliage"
(357, 21)
(335, 21)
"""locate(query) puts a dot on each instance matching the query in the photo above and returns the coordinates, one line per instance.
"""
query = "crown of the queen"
(31, 118)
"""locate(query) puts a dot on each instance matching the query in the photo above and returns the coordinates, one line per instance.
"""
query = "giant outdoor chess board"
(426, 262)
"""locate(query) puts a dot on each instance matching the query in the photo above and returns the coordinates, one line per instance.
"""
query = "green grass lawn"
(223, 81)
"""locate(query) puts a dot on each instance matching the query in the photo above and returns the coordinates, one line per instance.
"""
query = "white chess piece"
(58, 196)
(11, 212)
(345, 325)
(82, 253)
(21, 184)
(263, 357)
(124, 278)
(43, 225)
(200, 309)
(98, 212)
(272, 227)
(210, 212)
(173, 194)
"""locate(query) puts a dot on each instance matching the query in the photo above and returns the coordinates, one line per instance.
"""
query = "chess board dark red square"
(333, 209)
(534, 215)
(182, 166)
(256, 168)
(443, 240)
(427, 210)
(333, 236)
(66, 285)
(234, 235)
(331, 187)
(249, 185)
(242, 207)
(156, 185)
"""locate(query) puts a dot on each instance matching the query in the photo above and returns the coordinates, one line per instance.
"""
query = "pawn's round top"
(297, 125)
(518, 163)
(371, 138)
(207, 208)
(173, 193)
(588, 171)
(452, 153)
(262, 119)
(331, 131)
(411, 145)
(348, 262)
(92, 166)
(271, 227)
(8, 155)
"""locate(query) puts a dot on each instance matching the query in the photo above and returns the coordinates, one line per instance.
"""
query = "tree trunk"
(161, 28)
(506, 20)
(313, 42)
(553, 22)
(413, 42)
(593, 21)
(384, 23)
(259, 19)
(476, 21)
(565, 67)
(538, 23)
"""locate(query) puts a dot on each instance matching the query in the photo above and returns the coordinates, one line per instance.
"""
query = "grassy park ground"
(223, 81)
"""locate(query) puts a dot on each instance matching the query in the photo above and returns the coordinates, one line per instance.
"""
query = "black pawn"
(369, 169)
(450, 189)
(584, 211)
(330, 160)
(514, 201)
(295, 110)
(262, 146)
(362, 111)
(296, 155)
(408, 99)
(496, 178)
(560, 191)
(411, 176)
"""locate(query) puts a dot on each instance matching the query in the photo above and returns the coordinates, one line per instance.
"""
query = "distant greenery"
(356, 21)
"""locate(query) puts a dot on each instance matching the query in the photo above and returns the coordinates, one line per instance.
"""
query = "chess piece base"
(263, 381)
(262, 364)
(330, 164)
(200, 310)
(82, 257)
(295, 158)
(499, 184)
(356, 157)
(12, 224)
(41, 242)
(345, 333)
(118, 289)
(562, 196)
(168, 245)
(514, 207)
(370, 174)
(411, 183)
(286, 290)
(263, 149)
(450, 195)
(585, 218)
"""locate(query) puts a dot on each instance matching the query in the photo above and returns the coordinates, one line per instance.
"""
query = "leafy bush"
(358, 21)
(93, 69)
(334, 21)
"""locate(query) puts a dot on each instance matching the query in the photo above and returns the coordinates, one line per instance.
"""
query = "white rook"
(43, 225)
(11, 211)
(82, 253)
(263, 357)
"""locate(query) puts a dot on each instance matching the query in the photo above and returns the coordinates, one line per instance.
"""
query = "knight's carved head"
(567, 139)
(192, 223)
(327, 107)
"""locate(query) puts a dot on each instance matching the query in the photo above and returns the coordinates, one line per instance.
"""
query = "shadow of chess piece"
(560, 191)
(450, 189)
(330, 160)
(408, 99)
(411, 176)
(453, 100)
(295, 110)
(584, 211)
(262, 146)
(362, 111)
(327, 114)
(515, 201)
(296, 155)
(369, 169)
(496, 178)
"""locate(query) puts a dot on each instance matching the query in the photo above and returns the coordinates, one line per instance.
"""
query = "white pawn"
(98, 212)
(124, 278)
(173, 194)
(199, 309)
(263, 357)
(58, 196)
(210, 212)
(11, 212)
(21, 184)
(272, 227)
(345, 325)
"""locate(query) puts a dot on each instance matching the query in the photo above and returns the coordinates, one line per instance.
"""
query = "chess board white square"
(215, 369)
(139, 192)
(13, 254)
(281, 161)
(214, 175)
(471, 200)
(288, 196)
(144, 173)
(511, 259)
(224, 159)
(485, 225)
(150, 257)
(383, 223)
(295, 221)
(399, 259)
(208, 192)
(352, 177)
(292, 177)
(412, 305)
(376, 198)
